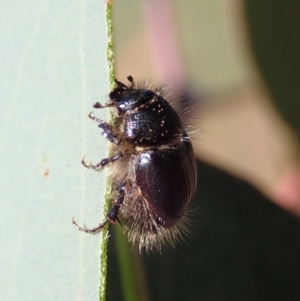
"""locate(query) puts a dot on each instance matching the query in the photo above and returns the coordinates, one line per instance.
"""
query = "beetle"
(153, 166)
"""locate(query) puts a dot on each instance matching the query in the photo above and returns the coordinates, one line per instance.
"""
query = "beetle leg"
(103, 162)
(86, 230)
(98, 105)
(111, 217)
(108, 133)
(107, 130)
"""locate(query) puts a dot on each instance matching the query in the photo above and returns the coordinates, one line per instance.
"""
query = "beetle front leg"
(98, 105)
(111, 217)
(107, 130)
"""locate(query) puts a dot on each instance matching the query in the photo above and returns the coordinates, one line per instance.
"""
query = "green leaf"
(54, 66)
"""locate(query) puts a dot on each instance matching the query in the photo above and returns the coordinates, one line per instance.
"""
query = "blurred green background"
(241, 60)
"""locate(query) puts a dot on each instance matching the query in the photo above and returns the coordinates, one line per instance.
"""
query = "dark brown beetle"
(153, 166)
